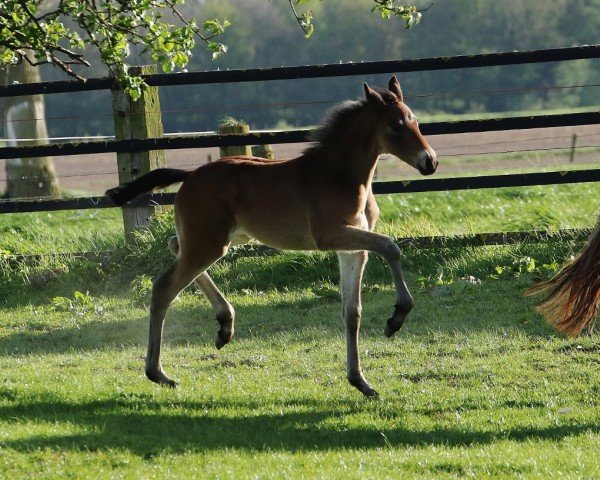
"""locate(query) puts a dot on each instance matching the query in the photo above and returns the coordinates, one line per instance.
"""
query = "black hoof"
(363, 386)
(388, 331)
(223, 338)
(395, 322)
(225, 333)
(160, 378)
(371, 394)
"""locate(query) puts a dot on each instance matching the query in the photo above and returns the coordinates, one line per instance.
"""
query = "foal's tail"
(161, 177)
(572, 296)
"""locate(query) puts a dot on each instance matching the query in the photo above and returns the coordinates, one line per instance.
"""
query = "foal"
(321, 200)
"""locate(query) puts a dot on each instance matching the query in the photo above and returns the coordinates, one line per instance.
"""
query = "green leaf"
(214, 27)
(217, 49)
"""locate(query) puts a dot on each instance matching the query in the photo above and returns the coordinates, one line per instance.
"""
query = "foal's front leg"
(352, 265)
(351, 238)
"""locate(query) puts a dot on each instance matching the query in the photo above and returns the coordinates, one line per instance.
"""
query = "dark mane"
(337, 119)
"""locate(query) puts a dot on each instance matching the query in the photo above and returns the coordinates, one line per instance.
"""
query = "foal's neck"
(355, 153)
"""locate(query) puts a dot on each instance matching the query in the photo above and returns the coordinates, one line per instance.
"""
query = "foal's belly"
(281, 238)
(270, 204)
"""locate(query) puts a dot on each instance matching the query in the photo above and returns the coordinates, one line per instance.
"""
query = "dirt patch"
(96, 173)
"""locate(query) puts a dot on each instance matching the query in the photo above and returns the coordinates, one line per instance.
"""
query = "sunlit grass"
(454, 117)
(475, 385)
(440, 213)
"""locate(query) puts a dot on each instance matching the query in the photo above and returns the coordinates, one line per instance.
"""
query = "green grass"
(440, 213)
(454, 117)
(62, 231)
(475, 385)
(504, 209)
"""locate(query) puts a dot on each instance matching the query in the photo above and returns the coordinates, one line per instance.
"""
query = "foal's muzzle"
(430, 164)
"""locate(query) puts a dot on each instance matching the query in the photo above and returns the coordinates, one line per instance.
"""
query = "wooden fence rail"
(413, 186)
(135, 145)
(317, 71)
(289, 136)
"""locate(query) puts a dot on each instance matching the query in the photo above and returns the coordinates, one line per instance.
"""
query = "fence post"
(138, 119)
(573, 147)
(263, 151)
(229, 126)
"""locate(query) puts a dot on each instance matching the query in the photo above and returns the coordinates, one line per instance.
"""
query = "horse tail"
(161, 177)
(572, 296)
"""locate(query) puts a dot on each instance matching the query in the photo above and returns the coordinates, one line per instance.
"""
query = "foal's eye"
(397, 126)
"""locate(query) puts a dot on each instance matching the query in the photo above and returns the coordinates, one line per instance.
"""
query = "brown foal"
(321, 200)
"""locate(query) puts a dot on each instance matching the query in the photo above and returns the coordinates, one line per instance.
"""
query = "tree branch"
(304, 20)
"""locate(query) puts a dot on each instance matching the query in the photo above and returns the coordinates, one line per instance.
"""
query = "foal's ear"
(394, 87)
(372, 95)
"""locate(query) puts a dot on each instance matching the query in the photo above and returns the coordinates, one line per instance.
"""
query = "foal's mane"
(337, 119)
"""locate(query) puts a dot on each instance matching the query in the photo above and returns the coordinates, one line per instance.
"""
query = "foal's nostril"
(433, 161)
(427, 162)
(431, 164)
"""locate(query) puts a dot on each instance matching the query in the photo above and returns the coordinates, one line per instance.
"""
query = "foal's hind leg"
(164, 291)
(224, 310)
(352, 265)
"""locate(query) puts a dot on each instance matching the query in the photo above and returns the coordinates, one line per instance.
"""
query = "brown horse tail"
(572, 296)
(161, 177)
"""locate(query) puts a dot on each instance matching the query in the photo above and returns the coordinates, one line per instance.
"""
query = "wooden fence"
(159, 143)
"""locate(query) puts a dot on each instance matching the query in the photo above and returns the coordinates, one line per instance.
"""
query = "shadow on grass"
(185, 324)
(491, 306)
(145, 431)
(90, 336)
(236, 272)
(435, 313)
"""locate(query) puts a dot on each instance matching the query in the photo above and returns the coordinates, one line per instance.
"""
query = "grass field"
(475, 385)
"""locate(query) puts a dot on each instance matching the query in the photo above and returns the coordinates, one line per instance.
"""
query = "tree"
(63, 32)
(24, 118)
(386, 8)
(59, 32)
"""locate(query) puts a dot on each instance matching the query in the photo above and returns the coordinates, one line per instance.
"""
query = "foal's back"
(248, 197)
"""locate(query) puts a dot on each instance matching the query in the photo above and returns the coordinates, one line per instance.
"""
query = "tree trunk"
(25, 118)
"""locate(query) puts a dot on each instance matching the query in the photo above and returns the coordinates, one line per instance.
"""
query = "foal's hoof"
(225, 334)
(389, 331)
(371, 394)
(160, 378)
(170, 383)
(396, 321)
(223, 338)
(363, 387)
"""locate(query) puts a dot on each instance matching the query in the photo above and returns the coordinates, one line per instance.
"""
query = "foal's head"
(398, 128)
